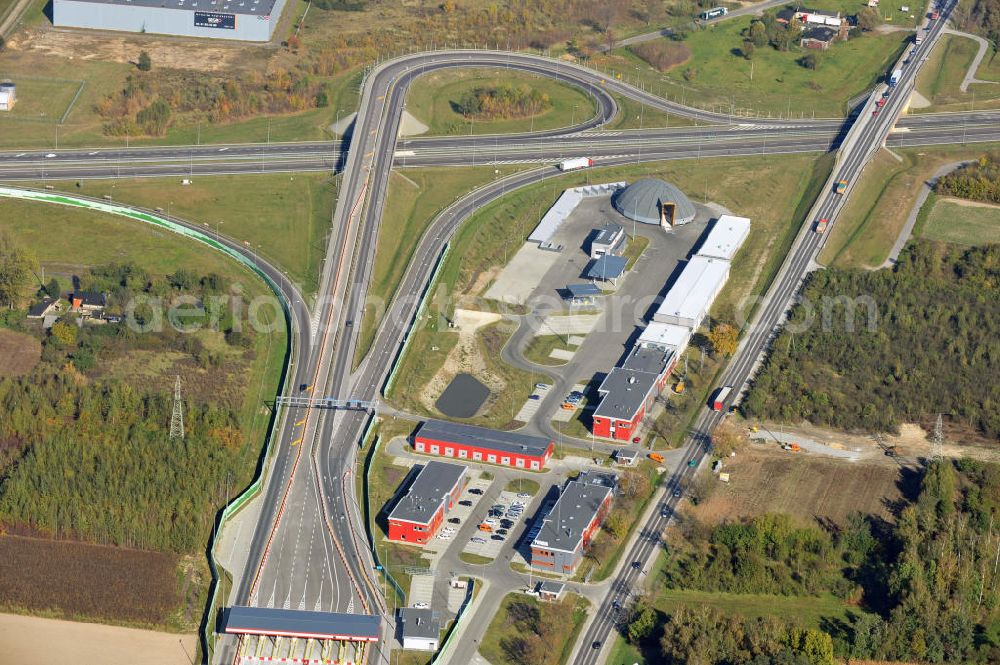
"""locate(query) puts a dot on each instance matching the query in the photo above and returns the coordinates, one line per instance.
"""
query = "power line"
(177, 418)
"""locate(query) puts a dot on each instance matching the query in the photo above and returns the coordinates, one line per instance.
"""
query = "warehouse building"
(689, 299)
(725, 238)
(653, 201)
(628, 391)
(521, 451)
(244, 20)
(570, 526)
(419, 513)
(665, 337)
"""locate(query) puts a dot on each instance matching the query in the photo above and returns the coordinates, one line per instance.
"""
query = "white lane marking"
(223, 149)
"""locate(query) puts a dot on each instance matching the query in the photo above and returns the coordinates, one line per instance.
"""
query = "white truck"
(574, 164)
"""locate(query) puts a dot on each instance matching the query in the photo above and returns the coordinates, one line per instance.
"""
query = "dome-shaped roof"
(644, 199)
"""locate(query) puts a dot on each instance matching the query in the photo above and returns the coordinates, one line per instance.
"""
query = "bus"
(720, 398)
(715, 12)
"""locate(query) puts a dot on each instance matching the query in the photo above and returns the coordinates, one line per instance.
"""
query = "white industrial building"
(665, 337)
(420, 628)
(564, 207)
(8, 95)
(689, 299)
(727, 235)
(244, 20)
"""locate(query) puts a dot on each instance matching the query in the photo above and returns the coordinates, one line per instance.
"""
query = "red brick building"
(521, 451)
(418, 514)
(570, 526)
(627, 392)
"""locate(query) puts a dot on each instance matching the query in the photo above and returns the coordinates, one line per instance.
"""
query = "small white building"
(8, 95)
(665, 337)
(420, 628)
(726, 237)
(689, 299)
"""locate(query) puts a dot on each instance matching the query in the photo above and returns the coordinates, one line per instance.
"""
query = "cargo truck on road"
(574, 164)
(895, 77)
(719, 401)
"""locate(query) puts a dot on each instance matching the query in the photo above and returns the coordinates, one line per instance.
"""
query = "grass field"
(432, 99)
(562, 636)
(19, 351)
(415, 197)
(526, 485)
(875, 214)
(538, 350)
(780, 86)
(941, 77)
(768, 480)
(285, 217)
(962, 223)
(42, 99)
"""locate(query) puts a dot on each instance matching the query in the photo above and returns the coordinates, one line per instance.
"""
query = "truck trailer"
(895, 77)
(574, 164)
(719, 401)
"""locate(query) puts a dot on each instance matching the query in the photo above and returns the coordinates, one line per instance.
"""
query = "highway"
(308, 550)
(865, 138)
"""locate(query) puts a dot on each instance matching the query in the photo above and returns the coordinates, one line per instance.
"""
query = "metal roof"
(625, 391)
(420, 622)
(692, 294)
(428, 491)
(583, 290)
(609, 235)
(300, 623)
(548, 586)
(641, 201)
(504, 442)
(249, 7)
(725, 237)
(607, 267)
(562, 529)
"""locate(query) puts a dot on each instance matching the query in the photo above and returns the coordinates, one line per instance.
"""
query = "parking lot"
(439, 543)
(565, 415)
(489, 546)
(531, 405)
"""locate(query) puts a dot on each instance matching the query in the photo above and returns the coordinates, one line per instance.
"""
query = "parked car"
(502, 532)
(454, 520)
(478, 540)
(496, 536)
(542, 386)
(476, 491)
(636, 439)
(534, 397)
(523, 495)
(506, 523)
(465, 502)
(421, 606)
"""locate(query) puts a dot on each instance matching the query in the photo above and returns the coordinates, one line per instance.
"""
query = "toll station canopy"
(303, 624)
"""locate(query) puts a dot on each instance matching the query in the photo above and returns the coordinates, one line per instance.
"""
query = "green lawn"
(962, 224)
(780, 86)
(633, 115)
(526, 485)
(942, 75)
(475, 559)
(562, 635)
(284, 216)
(42, 99)
(432, 97)
(415, 197)
(540, 347)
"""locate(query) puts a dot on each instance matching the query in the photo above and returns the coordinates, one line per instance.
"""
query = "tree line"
(979, 181)
(503, 101)
(925, 587)
(866, 351)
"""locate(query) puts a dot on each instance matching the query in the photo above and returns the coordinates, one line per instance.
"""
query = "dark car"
(496, 536)
(637, 565)
(677, 492)
(475, 490)
(596, 645)
(502, 532)
(506, 523)
(454, 520)
(615, 604)
(465, 502)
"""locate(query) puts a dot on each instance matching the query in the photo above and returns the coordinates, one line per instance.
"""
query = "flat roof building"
(570, 526)
(521, 451)
(244, 20)
(420, 628)
(664, 336)
(689, 299)
(302, 624)
(607, 268)
(628, 391)
(725, 238)
(418, 514)
(609, 240)
(551, 591)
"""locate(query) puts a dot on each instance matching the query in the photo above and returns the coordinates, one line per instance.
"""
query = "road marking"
(297, 441)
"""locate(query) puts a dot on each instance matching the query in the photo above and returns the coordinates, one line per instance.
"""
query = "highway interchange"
(309, 550)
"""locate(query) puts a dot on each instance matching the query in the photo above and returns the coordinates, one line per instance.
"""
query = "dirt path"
(36, 641)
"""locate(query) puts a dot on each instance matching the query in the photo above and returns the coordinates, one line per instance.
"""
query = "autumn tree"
(868, 19)
(727, 438)
(724, 339)
(64, 332)
(16, 268)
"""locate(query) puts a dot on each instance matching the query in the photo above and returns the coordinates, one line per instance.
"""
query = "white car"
(523, 495)
(421, 606)
(478, 540)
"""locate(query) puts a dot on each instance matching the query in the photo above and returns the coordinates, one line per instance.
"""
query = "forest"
(88, 456)
(925, 587)
(866, 351)
(503, 102)
(979, 181)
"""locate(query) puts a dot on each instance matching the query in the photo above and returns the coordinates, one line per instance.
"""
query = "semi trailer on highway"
(895, 77)
(574, 164)
(719, 402)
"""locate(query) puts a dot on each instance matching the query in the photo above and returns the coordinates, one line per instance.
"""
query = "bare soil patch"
(20, 353)
(802, 485)
(40, 641)
(170, 53)
(80, 580)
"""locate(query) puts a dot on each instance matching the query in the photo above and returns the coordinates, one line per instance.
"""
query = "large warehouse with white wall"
(244, 20)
